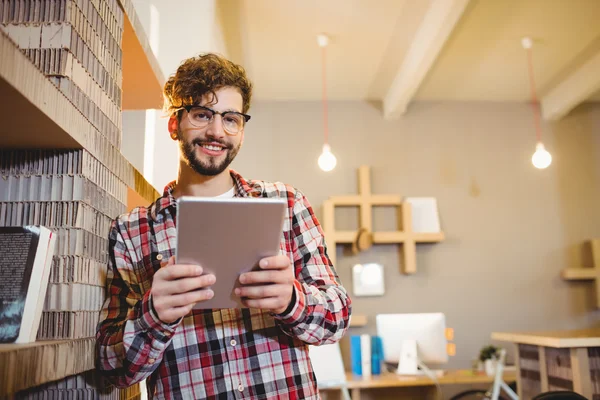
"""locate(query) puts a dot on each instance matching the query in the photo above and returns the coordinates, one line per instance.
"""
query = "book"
(360, 353)
(366, 353)
(25, 265)
(425, 214)
(328, 365)
(365, 350)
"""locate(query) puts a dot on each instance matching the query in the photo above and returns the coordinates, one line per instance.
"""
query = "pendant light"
(327, 160)
(541, 158)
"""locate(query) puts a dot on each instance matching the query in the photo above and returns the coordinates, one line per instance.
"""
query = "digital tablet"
(227, 236)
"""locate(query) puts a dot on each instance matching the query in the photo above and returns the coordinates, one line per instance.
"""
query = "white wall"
(132, 145)
(510, 228)
(151, 142)
(166, 156)
(172, 46)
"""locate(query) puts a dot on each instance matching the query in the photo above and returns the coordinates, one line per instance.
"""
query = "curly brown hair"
(201, 75)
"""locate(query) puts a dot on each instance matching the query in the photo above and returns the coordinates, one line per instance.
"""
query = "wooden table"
(422, 386)
(556, 360)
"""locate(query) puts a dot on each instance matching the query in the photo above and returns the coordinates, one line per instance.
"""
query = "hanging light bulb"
(541, 158)
(327, 160)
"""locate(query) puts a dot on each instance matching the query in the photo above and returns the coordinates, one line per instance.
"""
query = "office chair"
(559, 395)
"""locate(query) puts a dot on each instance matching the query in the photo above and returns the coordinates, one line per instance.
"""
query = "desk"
(556, 360)
(422, 385)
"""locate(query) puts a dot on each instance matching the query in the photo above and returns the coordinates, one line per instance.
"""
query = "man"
(148, 326)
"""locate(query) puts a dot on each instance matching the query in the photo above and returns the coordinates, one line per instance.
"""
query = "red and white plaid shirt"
(225, 353)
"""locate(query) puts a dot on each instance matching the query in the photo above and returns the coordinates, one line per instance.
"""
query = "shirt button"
(233, 342)
(151, 361)
(240, 388)
(159, 257)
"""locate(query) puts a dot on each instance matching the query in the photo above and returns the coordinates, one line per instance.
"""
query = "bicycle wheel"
(470, 395)
(475, 394)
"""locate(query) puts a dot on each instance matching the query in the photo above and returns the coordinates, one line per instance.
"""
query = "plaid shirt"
(225, 353)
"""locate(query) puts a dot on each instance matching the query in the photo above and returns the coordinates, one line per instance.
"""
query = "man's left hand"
(270, 287)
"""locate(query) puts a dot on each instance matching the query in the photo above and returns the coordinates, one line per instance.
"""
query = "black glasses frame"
(222, 114)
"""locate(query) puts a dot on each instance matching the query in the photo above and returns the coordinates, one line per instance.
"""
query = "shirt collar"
(243, 188)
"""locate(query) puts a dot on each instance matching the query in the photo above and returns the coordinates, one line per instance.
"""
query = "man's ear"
(173, 125)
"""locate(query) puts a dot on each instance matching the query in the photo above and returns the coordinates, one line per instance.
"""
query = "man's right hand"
(176, 288)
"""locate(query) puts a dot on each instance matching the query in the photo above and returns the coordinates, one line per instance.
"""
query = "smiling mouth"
(212, 147)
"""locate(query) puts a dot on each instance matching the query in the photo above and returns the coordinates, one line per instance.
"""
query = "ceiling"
(484, 58)
(279, 45)
(459, 50)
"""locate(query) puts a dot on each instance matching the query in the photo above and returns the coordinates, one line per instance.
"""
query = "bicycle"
(494, 392)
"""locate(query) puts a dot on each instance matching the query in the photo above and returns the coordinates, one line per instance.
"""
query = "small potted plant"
(488, 356)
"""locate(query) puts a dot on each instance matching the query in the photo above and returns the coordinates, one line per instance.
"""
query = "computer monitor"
(410, 339)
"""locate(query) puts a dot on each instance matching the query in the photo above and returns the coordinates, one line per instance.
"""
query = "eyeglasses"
(200, 117)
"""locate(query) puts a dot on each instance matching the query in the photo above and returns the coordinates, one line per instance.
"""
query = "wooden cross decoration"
(365, 237)
(587, 273)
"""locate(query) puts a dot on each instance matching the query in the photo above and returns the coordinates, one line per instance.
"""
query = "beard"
(211, 167)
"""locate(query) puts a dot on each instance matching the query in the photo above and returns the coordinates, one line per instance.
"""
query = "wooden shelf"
(591, 271)
(579, 274)
(143, 79)
(436, 237)
(357, 321)
(391, 237)
(365, 237)
(557, 339)
(34, 112)
(37, 363)
(400, 237)
(343, 236)
(452, 377)
(375, 200)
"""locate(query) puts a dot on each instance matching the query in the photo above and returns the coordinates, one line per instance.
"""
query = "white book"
(425, 216)
(365, 355)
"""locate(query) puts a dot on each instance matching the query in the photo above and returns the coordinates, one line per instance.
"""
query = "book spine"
(376, 355)
(365, 349)
(355, 354)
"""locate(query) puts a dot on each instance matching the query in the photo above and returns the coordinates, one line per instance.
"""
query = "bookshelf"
(37, 114)
(26, 91)
(589, 273)
(34, 364)
(34, 112)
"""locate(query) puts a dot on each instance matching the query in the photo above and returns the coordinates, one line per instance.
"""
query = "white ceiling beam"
(433, 32)
(577, 87)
